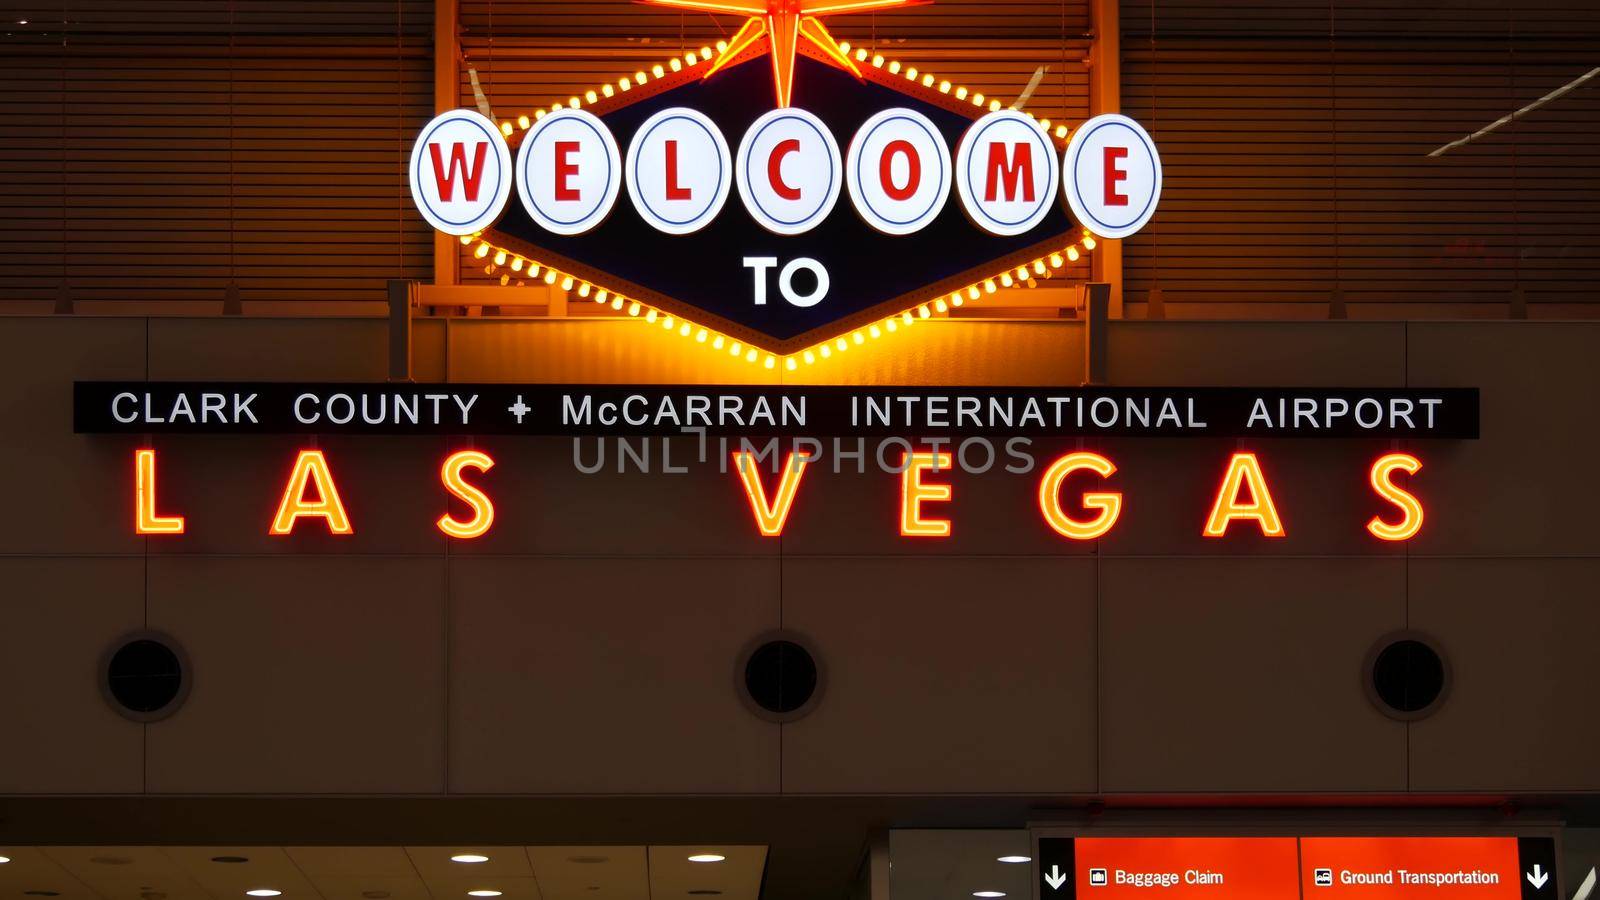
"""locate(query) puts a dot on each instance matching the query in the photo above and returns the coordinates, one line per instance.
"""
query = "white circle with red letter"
(789, 171)
(898, 170)
(460, 172)
(1006, 173)
(569, 172)
(1112, 175)
(679, 171)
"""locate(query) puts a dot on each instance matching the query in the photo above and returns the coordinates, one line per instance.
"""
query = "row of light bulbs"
(695, 57)
(512, 266)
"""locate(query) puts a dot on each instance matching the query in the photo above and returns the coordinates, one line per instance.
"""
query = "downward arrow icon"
(1057, 878)
(1537, 878)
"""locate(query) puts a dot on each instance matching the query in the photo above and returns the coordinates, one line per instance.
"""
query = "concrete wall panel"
(311, 675)
(607, 675)
(949, 675)
(1245, 675)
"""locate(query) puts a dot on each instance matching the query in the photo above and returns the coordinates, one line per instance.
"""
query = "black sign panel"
(103, 407)
(1054, 866)
(871, 274)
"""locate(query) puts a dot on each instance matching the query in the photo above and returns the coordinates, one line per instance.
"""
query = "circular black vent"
(779, 677)
(145, 677)
(1407, 677)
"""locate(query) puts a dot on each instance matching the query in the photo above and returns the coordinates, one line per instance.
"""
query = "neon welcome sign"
(684, 196)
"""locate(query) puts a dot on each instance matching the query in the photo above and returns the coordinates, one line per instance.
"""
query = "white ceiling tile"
(519, 887)
(434, 862)
(389, 862)
(265, 867)
(31, 870)
(738, 877)
(370, 887)
(591, 873)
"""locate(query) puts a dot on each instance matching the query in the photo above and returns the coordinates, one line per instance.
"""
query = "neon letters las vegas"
(1077, 499)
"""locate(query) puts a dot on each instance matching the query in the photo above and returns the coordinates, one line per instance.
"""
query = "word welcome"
(311, 497)
(789, 171)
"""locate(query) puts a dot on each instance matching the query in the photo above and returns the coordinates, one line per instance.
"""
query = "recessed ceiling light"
(469, 858)
(988, 894)
(483, 893)
(230, 859)
(4, 860)
(41, 893)
(1016, 859)
(264, 892)
(707, 857)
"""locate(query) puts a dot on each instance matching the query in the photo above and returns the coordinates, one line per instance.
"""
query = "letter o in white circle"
(456, 137)
(1084, 176)
(802, 150)
(704, 168)
(548, 165)
(786, 282)
(911, 145)
(1028, 167)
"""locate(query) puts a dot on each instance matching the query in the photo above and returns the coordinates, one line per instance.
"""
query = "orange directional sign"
(1413, 868)
(1191, 868)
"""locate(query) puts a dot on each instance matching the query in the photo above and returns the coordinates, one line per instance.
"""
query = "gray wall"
(587, 645)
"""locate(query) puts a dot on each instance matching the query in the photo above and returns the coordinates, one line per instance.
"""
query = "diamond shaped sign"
(877, 194)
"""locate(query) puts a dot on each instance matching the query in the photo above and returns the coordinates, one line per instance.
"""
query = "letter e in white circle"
(679, 171)
(898, 171)
(460, 172)
(1112, 176)
(789, 171)
(1006, 173)
(569, 172)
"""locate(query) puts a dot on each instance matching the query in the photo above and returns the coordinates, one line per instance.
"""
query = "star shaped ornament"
(784, 23)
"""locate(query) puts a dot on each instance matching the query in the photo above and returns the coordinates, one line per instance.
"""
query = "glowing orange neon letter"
(1411, 522)
(472, 496)
(146, 521)
(913, 493)
(1109, 503)
(770, 517)
(1244, 470)
(310, 466)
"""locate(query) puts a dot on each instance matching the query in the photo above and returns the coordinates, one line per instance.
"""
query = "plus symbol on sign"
(519, 409)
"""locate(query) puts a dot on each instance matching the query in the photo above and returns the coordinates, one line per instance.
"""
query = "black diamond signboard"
(871, 274)
(875, 197)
